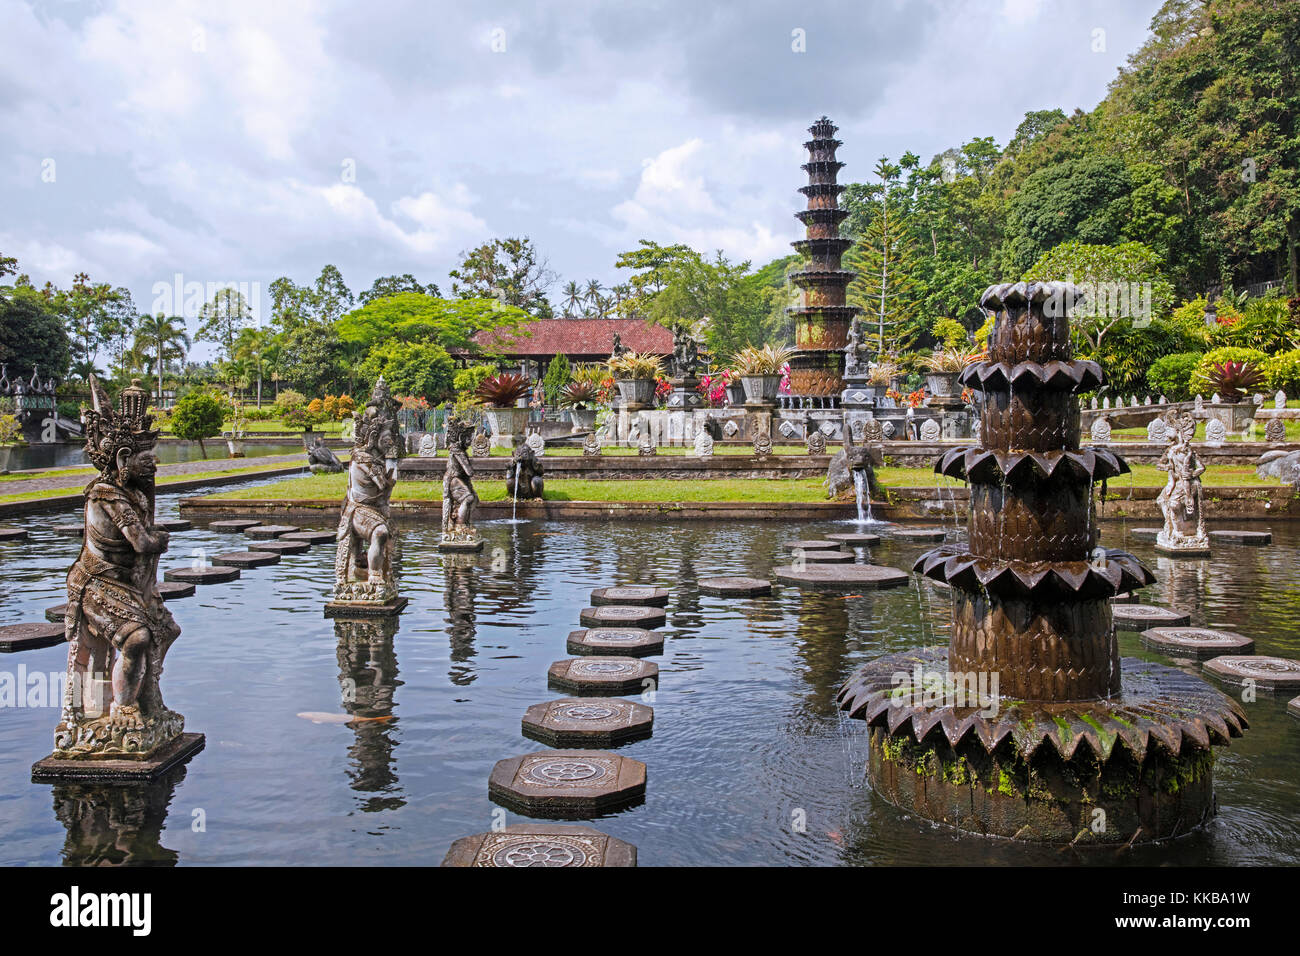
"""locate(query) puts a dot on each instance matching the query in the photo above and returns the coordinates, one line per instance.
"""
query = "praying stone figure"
(364, 582)
(117, 627)
(853, 351)
(1180, 500)
(320, 458)
(458, 497)
(524, 479)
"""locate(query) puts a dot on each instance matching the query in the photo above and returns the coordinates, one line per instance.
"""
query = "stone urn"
(584, 419)
(761, 389)
(636, 391)
(235, 444)
(507, 426)
(942, 384)
(735, 394)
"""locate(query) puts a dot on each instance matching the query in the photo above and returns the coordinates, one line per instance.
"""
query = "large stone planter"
(1236, 416)
(235, 446)
(584, 419)
(507, 426)
(761, 389)
(942, 384)
(735, 394)
(637, 392)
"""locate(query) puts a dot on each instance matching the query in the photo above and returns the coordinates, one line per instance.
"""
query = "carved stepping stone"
(246, 559)
(1139, 617)
(622, 616)
(1268, 673)
(280, 546)
(1256, 538)
(735, 587)
(270, 530)
(918, 534)
(567, 783)
(13, 534)
(629, 641)
(1293, 707)
(603, 675)
(536, 844)
(1144, 534)
(635, 596)
(587, 722)
(213, 574)
(174, 524)
(823, 557)
(855, 539)
(26, 637)
(1128, 597)
(812, 544)
(55, 615)
(173, 590)
(311, 537)
(1197, 642)
(233, 525)
(69, 530)
(842, 577)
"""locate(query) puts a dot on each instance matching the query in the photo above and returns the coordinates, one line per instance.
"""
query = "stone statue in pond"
(849, 459)
(458, 497)
(320, 458)
(524, 479)
(1181, 500)
(118, 628)
(363, 565)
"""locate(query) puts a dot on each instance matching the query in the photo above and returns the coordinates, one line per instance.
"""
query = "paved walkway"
(78, 481)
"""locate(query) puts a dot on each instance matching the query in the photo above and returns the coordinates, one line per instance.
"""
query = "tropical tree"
(161, 339)
(222, 319)
(508, 270)
(572, 297)
(883, 257)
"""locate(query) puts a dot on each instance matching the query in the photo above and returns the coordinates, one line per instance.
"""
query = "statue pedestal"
(55, 769)
(366, 609)
(461, 547)
(1196, 550)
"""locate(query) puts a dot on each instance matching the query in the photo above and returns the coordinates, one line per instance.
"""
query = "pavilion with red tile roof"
(580, 340)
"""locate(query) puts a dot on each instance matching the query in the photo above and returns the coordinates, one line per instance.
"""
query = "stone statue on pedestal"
(458, 497)
(524, 479)
(1181, 500)
(363, 564)
(118, 629)
(853, 367)
(320, 458)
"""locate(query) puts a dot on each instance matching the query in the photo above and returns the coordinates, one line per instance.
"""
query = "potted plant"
(943, 367)
(735, 390)
(879, 377)
(581, 399)
(760, 369)
(635, 374)
(501, 393)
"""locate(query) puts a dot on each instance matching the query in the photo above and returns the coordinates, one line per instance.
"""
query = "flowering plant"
(785, 379)
(663, 388)
(914, 399)
(714, 388)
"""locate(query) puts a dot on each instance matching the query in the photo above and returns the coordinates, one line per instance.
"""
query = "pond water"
(24, 457)
(746, 731)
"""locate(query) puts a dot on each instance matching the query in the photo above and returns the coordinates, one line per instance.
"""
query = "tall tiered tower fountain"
(822, 321)
(1030, 725)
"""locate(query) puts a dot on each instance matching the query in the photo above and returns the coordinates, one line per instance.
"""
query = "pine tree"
(884, 259)
(557, 376)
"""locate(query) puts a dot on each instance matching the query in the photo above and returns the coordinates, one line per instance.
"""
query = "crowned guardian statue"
(1181, 500)
(458, 497)
(364, 583)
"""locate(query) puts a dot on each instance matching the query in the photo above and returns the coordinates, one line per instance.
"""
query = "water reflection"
(368, 680)
(458, 598)
(116, 824)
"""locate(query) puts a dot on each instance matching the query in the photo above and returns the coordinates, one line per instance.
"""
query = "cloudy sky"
(240, 141)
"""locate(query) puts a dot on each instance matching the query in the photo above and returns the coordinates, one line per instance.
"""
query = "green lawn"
(1292, 431)
(162, 481)
(57, 473)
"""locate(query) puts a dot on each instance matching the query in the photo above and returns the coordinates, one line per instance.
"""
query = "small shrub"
(1171, 375)
(1282, 371)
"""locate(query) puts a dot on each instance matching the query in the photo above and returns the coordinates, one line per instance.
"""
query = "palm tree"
(591, 294)
(164, 338)
(250, 349)
(572, 296)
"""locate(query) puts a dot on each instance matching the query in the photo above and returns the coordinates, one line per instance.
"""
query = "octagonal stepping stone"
(26, 637)
(174, 590)
(57, 613)
(855, 539)
(1256, 538)
(69, 530)
(1128, 597)
(1268, 673)
(918, 534)
(603, 675)
(174, 524)
(587, 722)
(629, 641)
(13, 534)
(312, 537)
(812, 544)
(636, 596)
(270, 530)
(842, 577)
(246, 559)
(280, 546)
(537, 844)
(735, 586)
(1144, 534)
(1139, 617)
(233, 525)
(1196, 642)
(213, 574)
(622, 615)
(823, 557)
(1293, 707)
(567, 783)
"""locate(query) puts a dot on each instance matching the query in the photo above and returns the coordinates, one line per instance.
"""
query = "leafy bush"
(984, 331)
(949, 332)
(288, 400)
(10, 430)
(1171, 375)
(412, 368)
(1282, 371)
(197, 416)
(467, 380)
(1265, 325)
